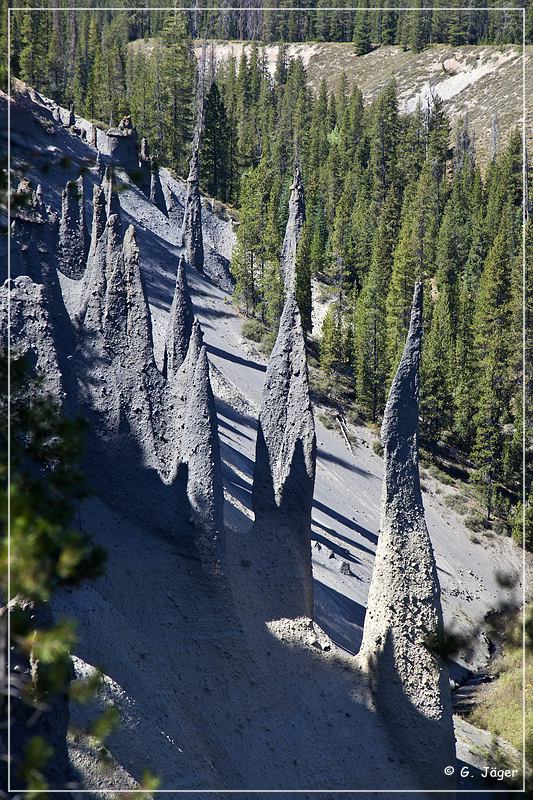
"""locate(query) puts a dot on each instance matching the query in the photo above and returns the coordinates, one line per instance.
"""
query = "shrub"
(377, 447)
(456, 502)
(268, 340)
(327, 421)
(499, 707)
(440, 475)
(475, 521)
(252, 329)
(500, 527)
(517, 528)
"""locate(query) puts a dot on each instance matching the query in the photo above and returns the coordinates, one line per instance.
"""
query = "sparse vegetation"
(438, 473)
(377, 447)
(499, 705)
(475, 521)
(252, 329)
(327, 421)
(457, 503)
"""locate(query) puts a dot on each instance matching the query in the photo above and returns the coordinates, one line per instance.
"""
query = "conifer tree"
(436, 393)
(214, 145)
(331, 340)
(177, 67)
(413, 258)
(492, 323)
(370, 352)
(384, 141)
(303, 278)
(361, 34)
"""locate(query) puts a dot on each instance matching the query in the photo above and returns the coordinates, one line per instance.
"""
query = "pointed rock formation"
(92, 135)
(104, 254)
(145, 166)
(144, 151)
(293, 231)
(31, 331)
(73, 241)
(127, 322)
(179, 326)
(100, 166)
(111, 194)
(200, 451)
(284, 472)
(156, 190)
(34, 236)
(191, 235)
(185, 373)
(99, 216)
(403, 624)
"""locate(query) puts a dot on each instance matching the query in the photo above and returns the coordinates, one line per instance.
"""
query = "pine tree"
(492, 323)
(33, 49)
(214, 145)
(303, 278)
(331, 340)
(384, 128)
(251, 254)
(466, 362)
(361, 34)
(416, 34)
(413, 258)
(176, 70)
(436, 394)
(370, 353)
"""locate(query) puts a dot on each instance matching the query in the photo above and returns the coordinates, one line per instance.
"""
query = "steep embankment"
(209, 697)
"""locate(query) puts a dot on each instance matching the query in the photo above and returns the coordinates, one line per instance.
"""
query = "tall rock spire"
(127, 323)
(92, 301)
(34, 245)
(284, 472)
(191, 233)
(99, 165)
(180, 322)
(156, 190)
(73, 240)
(200, 452)
(110, 190)
(293, 231)
(145, 166)
(403, 623)
(99, 216)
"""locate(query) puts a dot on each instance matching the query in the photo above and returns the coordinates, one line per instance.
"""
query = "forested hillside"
(390, 198)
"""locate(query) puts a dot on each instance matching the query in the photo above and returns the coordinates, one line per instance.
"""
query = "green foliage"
(45, 552)
(36, 756)
(388, 199)
(214, 154)
(361, 34)
(388, 202)
(252, 329)
(500, 708)
(102, 727)
(523, 523)
(46, 484)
